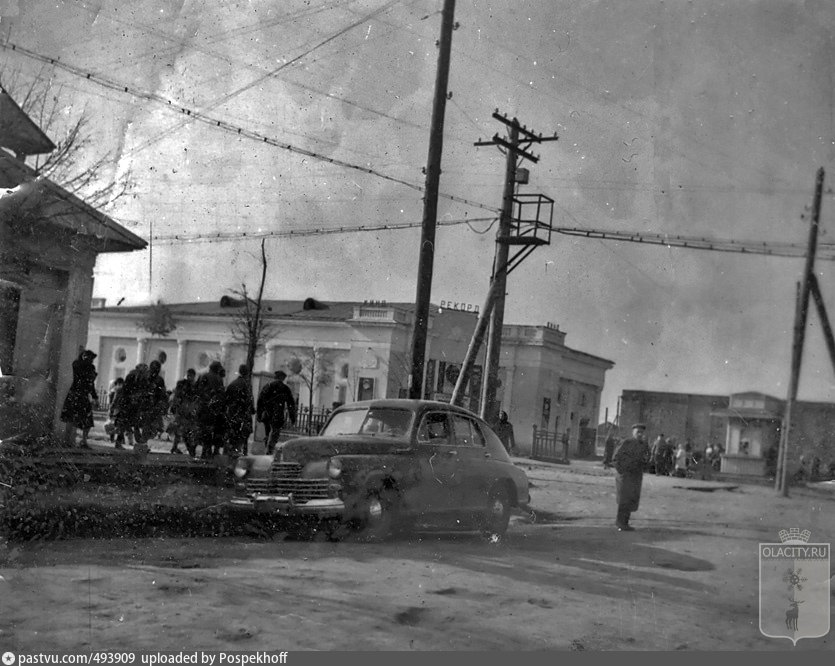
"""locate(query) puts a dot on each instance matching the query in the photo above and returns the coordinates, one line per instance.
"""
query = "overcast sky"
(697, 118)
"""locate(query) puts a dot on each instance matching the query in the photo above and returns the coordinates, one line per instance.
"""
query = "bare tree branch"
(77, 164)
(249, 326)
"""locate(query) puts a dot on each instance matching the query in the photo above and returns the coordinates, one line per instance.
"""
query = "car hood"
(306, 449)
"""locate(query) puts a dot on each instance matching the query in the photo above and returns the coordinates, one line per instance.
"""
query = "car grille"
(284, 479)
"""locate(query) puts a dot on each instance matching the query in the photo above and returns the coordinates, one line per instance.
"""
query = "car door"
(438, 464)
(472, 461)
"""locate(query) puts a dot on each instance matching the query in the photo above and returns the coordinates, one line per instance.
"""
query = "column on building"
(225, 350)
(141, 349)
(181, 359)
(269, 358)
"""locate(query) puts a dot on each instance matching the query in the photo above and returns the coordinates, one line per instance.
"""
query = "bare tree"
(75, 164)
(249, 326)
(314, 370)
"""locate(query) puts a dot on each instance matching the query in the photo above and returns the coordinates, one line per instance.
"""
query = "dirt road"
(687, 579)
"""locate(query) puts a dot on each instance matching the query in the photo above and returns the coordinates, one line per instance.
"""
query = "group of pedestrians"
(668, 458)
(138, 405)
(205, 412)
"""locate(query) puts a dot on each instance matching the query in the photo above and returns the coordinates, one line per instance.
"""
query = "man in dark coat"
(629, 461)
(137, 398)
(184, 405)
(157, 401)
(211, 410)
(239, 411)
(274, 398)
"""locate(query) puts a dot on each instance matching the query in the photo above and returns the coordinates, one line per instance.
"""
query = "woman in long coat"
(78, 405)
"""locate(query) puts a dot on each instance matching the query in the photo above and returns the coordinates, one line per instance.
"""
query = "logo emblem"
(794, 587)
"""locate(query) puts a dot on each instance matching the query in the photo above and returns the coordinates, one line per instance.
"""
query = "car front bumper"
(285, 505)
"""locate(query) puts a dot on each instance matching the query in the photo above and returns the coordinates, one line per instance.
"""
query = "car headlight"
(334, 468)
(241, 469)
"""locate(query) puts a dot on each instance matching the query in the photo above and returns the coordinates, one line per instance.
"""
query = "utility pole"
(426, 258)
(801, 313)
(502, 264)
(489, 409)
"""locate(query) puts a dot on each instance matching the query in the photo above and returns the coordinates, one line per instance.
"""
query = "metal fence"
(104, 400)
(549, 446)
(308, 422)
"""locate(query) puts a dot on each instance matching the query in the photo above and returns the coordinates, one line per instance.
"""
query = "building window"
(365, 390)
(430, 378)
(546, 413)
(203, 360)
(120, 355)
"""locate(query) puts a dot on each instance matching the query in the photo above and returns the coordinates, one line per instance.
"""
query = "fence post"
(565, 445)
(534, 448)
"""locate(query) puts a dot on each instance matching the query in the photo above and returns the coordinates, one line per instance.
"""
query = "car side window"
(463, 429)
(467, 431)
(434, 429)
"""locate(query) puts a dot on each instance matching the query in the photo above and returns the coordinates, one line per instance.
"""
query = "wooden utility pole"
(492, 314)
(801, 315)
(489, 408)
(426, 258)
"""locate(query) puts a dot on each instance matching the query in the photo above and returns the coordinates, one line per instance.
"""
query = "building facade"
(748, 426)
(348, 351)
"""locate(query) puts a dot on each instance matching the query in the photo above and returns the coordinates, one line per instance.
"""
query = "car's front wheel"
(379, 513)
(497, 515)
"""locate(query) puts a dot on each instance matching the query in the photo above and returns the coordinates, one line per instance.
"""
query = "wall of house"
(680, 415)
(548, 385)
(53, 271)
(813, 434)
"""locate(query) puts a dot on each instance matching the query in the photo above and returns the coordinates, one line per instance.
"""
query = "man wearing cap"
(629, 461)
(273, 399)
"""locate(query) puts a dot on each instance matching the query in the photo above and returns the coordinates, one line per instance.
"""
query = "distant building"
(362, 350)
(49, 240)
(747, 425)
(685, 416)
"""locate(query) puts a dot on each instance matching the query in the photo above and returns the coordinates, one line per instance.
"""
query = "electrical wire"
(260, 79)
(227, 127)
(296, 233)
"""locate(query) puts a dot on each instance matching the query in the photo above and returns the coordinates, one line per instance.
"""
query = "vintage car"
(381, 464)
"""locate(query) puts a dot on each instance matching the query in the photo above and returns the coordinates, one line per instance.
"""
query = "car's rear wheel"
(379, 513)
(497, 516)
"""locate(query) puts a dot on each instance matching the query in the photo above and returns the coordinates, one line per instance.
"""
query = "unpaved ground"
(687, 579)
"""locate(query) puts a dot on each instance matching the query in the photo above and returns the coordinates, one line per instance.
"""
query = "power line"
(226, 126)
(295, 233)
(694, 243)
(263, 77)
(826, 251)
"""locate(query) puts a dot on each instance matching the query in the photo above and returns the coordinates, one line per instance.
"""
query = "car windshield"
(374, 421)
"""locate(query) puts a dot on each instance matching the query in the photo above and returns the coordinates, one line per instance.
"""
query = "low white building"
(347, 351)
